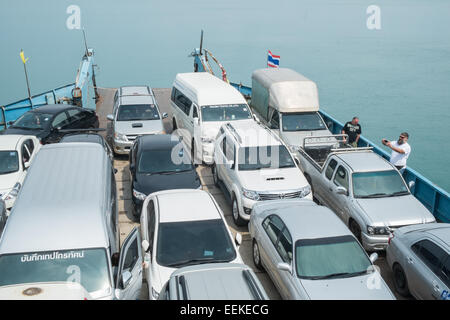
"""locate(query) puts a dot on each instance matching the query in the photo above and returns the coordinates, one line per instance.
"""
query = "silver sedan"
(420, 259)
(309, 253)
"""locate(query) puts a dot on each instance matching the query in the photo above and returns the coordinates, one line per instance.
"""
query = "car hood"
(148, 127)
(45, 291)
(295, 138)
(210, 129)
(7, 182)
(37, 133)
(162, 276)
(257, 180)
(395, 211)
(157, 182)
(367, 287)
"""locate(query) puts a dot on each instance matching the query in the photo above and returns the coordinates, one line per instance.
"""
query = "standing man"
(353, 130)
(400, 151)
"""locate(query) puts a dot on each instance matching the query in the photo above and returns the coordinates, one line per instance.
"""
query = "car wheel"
(256, 256)
(356, 230)
(216, 178)
(236, 217)
(400, 281)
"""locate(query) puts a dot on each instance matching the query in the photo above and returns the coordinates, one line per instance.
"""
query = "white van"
(288, 102)
(201, 103)
(64, 227)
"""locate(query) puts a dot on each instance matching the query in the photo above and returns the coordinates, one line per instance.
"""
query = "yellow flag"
(23, 57)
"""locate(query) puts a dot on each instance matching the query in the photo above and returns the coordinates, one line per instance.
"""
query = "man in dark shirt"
(353, 130)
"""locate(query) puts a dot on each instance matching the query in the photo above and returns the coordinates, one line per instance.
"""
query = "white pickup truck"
(363, 189)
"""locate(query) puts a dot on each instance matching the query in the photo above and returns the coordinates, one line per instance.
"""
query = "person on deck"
(400, 151)
(353, 130)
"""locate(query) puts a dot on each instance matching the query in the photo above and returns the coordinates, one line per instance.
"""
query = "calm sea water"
(395, 79)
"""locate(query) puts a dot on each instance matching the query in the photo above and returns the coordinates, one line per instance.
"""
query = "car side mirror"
(229, 163)
(145, 245)
(196, 121)
(238, 239)
(165, 115)
(411, 184)
(283, 266)
(26, 165)
(329, 124)
(342, 190)
(373, 257)
(132, 167)
(256, 118)
(10, 123)
(297, 161)
(126, 278)
(110, 117)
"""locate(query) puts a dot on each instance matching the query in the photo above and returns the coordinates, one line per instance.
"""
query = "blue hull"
(434, 198)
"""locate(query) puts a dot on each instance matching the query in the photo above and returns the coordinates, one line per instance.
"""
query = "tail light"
(391, 236)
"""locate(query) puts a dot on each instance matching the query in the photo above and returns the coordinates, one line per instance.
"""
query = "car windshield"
(9, 162)
(378, 184)
(334, 257)
(302, 122)
(255, 158)
(194, 242)
(89, 267)
(227, 112)
(138, 112)
(33, 121)
(164, 160)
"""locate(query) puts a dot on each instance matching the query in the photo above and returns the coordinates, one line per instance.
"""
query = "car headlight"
(14, 192)
(139, 195)
(377, 230)
(155, 294)
(120, 136)
(305, 191)
(207, 140)
(252, 195)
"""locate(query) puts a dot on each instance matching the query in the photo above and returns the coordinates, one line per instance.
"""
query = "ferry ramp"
(126, 224)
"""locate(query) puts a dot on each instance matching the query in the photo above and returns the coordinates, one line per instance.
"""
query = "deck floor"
(126, 224)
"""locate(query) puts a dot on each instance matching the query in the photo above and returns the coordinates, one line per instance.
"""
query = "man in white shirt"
(400, 151)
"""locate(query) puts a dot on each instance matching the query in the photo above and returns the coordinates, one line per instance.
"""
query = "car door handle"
(436, 287)
(410, 260)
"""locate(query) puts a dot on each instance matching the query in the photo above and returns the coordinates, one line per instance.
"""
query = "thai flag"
(273, 61)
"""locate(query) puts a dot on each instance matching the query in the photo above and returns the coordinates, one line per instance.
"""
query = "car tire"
(256, 255)
(356, 230)
(235, 213)
(400, 281)
(215, 174)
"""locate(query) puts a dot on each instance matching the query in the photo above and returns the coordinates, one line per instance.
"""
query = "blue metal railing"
(436, 199)
(84, 81)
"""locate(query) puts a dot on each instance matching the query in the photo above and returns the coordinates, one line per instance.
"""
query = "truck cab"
(288, 103)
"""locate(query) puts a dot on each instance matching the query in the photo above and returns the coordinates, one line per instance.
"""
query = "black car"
(159, 162)
(88, 137)
(46, 122)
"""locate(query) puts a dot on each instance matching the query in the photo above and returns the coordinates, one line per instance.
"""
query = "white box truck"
(288, 103)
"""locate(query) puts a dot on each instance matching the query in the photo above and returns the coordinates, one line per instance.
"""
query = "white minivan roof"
(206, 89)
(61, 205)
(289, 91)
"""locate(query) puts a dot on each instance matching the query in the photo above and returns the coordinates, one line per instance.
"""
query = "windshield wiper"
(399, 193)
(190, 262)
(340, 275)
(375, 195)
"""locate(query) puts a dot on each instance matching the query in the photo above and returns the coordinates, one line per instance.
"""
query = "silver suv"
(135, 113)
(254, 165)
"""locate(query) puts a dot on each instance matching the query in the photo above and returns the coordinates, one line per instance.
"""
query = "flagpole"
(26, 77)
